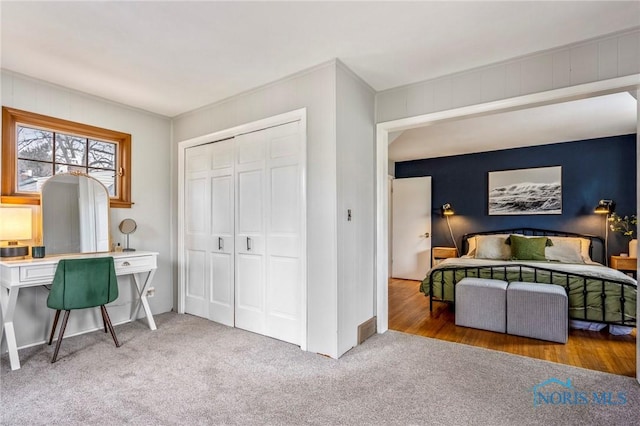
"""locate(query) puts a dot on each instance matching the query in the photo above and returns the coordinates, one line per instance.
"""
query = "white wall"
(315, 90)
(608, 57)
(151, 181)
(356, 192)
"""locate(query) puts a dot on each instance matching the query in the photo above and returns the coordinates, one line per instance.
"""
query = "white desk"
(17, 274)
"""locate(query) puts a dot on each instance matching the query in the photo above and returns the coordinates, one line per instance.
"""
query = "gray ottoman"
(481, 303)
(538, 310)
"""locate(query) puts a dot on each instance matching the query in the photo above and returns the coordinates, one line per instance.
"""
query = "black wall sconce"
(446, 210)
(605, 208)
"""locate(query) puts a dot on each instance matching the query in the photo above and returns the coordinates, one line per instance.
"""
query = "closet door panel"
(283, 299)
(250, 148)
(197, 230)
(250, 215)
(223, 153)
(249, 237)
(221, 242)
(285, 200)
(285, 141)
(209, 237)
(221, 299)
(196, 273)
(283, 233)
(196, 197)
(222, 205)
(249, 314)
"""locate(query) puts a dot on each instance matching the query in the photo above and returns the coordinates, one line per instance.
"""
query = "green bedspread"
(586, 284)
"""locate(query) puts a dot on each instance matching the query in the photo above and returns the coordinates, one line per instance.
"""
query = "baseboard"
(366, 330)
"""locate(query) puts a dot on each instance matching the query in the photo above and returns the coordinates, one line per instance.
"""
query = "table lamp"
(15, 225)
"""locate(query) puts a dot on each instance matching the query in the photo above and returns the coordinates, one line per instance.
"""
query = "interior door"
(244, 242)
(411, 244)
(197, 228)
(209, 241)
(284, 233)
(250, 218)
(269, 232)
(221, 241)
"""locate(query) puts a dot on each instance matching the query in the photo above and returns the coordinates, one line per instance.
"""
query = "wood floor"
(409, 313)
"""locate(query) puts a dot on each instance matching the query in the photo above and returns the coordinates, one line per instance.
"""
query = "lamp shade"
(605, 207)
(447, 210)
(15, 224)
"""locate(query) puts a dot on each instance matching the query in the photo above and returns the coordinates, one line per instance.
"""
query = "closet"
(243, 229)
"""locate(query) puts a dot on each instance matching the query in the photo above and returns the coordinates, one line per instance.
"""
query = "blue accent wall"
(593, 169)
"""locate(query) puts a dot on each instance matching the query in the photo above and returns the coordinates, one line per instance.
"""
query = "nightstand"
(625, 264)
(438, 254)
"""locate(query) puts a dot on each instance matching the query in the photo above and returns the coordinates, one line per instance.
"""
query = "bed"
(597, 294)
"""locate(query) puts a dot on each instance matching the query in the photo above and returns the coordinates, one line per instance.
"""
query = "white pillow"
(566, 250)
(492, 247)
(472, 244)
(584, 249)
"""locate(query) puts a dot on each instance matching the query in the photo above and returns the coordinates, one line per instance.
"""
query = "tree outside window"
(36, 147)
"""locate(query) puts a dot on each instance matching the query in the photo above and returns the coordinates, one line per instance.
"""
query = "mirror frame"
(126, 222)
(42, 204)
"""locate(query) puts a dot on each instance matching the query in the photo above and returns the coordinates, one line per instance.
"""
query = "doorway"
(383, 130)
(411, 227)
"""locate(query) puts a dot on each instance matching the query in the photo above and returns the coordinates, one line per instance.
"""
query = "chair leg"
(104, 321)
(53, 328)
(108, 321)
(64, 325)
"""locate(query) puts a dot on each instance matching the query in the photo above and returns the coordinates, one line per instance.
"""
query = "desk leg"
(142, 298)
(8, 299)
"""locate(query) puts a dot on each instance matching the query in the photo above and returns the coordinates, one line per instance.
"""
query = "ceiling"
(598, 117)
(173, 57)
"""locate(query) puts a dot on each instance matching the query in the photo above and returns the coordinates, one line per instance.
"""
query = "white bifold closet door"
(244, 232)
(209, 233)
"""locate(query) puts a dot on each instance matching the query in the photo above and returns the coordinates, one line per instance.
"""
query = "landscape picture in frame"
(526, 191)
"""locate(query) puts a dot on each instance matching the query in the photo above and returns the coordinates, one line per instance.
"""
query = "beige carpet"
(193, 371)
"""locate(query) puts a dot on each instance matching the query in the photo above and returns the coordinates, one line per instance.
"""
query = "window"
(36, 147)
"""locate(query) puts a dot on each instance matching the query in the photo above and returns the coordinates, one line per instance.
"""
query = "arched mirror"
(75, 214)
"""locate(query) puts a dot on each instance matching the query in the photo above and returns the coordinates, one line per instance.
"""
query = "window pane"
(102, 154)
(35, 144)
(71, 149)
(64, 168)
(108, 179)
(41, 145)
(32, 174)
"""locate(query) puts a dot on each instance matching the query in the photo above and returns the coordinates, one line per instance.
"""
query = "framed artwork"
(526, 191)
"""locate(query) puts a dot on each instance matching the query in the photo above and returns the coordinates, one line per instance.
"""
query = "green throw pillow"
(508, 240)
(528, 248)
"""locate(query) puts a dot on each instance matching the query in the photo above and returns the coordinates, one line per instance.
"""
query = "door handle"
(248, 244)
(220, 243)
(426, 235)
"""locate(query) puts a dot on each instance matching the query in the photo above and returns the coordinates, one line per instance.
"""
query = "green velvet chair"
(80, 284)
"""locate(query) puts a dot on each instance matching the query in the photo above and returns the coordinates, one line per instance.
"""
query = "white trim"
(288, 117)
(598, 88)
(637, 96)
